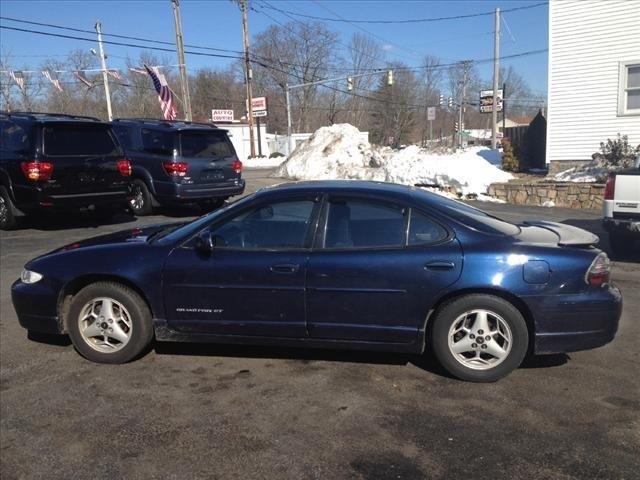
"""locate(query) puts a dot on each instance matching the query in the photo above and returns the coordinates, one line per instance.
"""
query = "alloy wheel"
(4, 211)
(105, 324)
(137, 202)
(480, 339)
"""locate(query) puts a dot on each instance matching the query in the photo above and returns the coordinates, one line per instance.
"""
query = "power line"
(411, 20)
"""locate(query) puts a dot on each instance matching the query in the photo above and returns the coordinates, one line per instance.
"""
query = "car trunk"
(84, 157)
(210, 156)
(541, 232)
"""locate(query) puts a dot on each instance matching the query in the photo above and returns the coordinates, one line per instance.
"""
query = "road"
(210, 411)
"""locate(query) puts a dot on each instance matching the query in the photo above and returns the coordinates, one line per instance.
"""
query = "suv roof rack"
(49, 114)
(168, 123)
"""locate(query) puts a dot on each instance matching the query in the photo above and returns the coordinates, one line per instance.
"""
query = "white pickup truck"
(622, 210)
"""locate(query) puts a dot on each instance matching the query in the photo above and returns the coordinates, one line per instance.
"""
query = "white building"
(594, 77)
(239, 136)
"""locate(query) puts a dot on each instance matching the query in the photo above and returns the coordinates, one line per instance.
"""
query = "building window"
(629, 96)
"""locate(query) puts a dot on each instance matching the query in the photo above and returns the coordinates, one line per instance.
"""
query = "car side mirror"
(205, 242)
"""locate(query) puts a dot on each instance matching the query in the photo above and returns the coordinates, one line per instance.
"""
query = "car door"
(378, 268)
(253, 281)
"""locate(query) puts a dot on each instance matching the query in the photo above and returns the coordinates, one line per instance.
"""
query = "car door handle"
(285, 268)
(440, 266)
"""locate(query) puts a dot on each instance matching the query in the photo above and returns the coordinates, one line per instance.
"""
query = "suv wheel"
(7, 219)
(109, 323)
(141, 201)
(479, 338)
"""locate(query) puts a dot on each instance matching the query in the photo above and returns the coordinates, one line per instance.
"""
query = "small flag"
(17, 77)
(79, 74)
(54, 81)
(115, 74)
(165, 97)
(140, 71)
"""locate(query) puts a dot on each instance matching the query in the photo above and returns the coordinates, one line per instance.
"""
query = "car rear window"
(474, 218)
(79, 140)
(205, 145)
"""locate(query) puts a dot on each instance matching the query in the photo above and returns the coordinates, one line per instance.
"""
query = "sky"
(217, 23)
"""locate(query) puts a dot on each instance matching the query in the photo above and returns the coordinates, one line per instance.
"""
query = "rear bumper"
(36, 306)
(170, 192)
(622, 225)
(30, 199)
(567, 323)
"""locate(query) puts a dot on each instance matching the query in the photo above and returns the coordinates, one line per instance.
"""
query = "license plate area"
(212, 176)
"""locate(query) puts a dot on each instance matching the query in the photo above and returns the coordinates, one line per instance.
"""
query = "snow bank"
(331, 153)
(263, 162)
(338, 152)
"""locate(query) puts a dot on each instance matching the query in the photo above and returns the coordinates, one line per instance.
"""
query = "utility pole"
(496, 74)
(289, 138)
(184, 80)
(466, 65)
(247, 72)
(105, 76)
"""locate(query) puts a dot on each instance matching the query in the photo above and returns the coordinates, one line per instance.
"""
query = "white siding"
(587, 41)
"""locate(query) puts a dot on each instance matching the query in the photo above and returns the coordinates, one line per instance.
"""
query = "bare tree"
(432, 74)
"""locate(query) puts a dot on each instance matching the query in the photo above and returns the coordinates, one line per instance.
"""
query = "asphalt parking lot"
(209, 411)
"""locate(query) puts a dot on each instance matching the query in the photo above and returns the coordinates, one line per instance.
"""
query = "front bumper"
(36, 305)
(171, 192)
(568, 323)
(626, 225)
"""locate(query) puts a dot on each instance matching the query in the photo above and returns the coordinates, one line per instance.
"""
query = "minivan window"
(205, 145)
(76, 140)
(157, 141)
(14, 138)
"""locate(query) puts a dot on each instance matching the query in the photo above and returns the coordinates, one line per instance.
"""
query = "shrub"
(618, 151)
(276, 155)
(509, 159)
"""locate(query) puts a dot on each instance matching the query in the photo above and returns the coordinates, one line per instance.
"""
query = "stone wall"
(570, 195)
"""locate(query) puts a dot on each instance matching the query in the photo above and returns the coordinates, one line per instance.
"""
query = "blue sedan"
(340, 264)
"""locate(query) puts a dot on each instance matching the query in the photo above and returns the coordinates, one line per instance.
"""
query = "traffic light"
(450, 102)
(441, 100)
(455, 126)
(349, 83)
(390, 77)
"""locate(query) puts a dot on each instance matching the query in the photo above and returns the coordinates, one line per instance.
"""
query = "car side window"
(270, 226)
(158, 142)
(423, 230)
(364, 224)
(124, 135)
(14, 138)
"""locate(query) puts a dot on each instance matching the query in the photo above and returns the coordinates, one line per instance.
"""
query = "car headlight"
(27, 276)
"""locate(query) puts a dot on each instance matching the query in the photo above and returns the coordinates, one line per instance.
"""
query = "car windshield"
(188, 230)
(474, 218)
(214, 144)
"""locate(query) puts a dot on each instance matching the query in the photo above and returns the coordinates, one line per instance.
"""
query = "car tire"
(141, 204)
(211, 205)
(7, 218)
(466, 350)
(120, 334)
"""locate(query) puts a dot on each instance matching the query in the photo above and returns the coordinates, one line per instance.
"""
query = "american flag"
(55, 81)
(18, 78)
(79, 74)
(141, 71)
(115, 74)
(165, 97)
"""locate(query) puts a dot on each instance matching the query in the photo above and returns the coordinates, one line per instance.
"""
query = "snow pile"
(596, 171)
(338, 152)
(469, 171)
(263, 162)
(331, 153)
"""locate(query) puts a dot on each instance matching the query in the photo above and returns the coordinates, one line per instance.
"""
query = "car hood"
(542, 232)
(135, 235)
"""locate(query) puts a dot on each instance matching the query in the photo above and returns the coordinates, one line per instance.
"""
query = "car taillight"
(37, 171)
(599, 271)
(237, 166)
(610, 187)
(124, 167)
(176, 169)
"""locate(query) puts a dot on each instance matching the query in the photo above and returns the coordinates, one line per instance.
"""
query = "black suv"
(52, 161)
(179, 162)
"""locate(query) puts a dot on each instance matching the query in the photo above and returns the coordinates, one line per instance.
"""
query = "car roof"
(47, 117)
(169, 125)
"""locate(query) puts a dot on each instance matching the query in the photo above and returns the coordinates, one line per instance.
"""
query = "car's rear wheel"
(109, 323)
(479, 338)
(141, 203)
(7, 219)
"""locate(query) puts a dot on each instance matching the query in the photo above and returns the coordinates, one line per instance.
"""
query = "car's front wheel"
(109, 323)
(479, 338)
